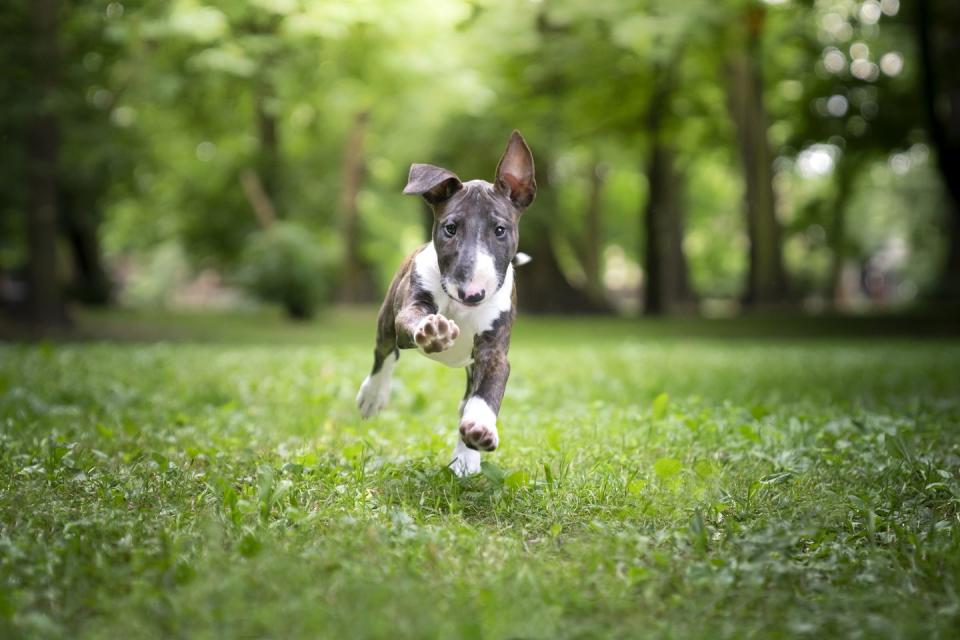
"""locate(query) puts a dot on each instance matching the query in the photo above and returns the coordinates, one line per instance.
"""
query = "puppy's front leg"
(487, 381)
(478, 422)
(419, 326)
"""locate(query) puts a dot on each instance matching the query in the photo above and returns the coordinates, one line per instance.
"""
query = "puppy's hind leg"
(375, 390)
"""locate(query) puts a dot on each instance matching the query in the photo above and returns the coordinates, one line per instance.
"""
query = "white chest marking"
(471, 320)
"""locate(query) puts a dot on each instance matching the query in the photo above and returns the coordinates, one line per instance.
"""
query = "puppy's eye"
(450, 229)
(500, 231)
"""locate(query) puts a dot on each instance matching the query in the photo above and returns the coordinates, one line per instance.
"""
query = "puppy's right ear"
(433, 183)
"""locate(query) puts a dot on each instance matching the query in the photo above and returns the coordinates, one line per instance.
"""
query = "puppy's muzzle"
(471, 295)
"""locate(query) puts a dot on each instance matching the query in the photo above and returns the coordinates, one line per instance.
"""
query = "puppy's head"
(475, 223)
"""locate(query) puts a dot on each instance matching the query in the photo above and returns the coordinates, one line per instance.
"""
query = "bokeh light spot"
(891, 63)
(206, 151)
(864, 70)
(900, 163)
(123, 116)
(834, 61)
(870, 12)
(859, 51)
(817, 160)
(837, 106)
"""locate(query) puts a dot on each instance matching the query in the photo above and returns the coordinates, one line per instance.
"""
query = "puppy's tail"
(521, 259)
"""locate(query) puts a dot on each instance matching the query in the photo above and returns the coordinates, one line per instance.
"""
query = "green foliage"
(290, 266)
(647, 486)
(164, 106)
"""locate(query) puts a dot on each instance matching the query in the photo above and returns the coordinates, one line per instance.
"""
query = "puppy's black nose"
(471, 296)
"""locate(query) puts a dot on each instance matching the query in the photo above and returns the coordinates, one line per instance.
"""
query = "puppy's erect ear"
(515, 172)
(433, 183)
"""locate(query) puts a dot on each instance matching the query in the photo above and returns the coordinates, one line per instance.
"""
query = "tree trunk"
(45, 304)
(593, 234)
(357, 283)
(767, 281)
(677, 280)
(654, 292)
(665, 281)
(91, 285)
(542, 286)
(256, 195)
(936, 38)
(268, 136)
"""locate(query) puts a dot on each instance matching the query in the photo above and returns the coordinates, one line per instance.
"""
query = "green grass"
(649, 484)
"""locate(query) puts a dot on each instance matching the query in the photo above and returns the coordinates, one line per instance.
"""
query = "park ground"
(209, 477)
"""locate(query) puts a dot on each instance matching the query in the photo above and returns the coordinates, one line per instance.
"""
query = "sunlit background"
(693, 156)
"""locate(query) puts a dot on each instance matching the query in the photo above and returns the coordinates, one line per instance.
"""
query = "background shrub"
(288, 265)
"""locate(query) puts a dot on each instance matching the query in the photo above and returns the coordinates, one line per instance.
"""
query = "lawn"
(651, 482)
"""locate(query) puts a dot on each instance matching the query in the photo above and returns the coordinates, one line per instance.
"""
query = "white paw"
(436, 333)
(478, 426)
(466, 462)
(375, 390)
(373, 395)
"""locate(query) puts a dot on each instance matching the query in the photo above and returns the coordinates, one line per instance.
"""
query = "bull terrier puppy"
(454, 299)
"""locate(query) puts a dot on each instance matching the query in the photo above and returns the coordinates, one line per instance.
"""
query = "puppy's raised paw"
(436, 333)
(478, 426)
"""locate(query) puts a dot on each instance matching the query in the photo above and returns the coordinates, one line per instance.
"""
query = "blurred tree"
(573, 118)
(18, 96)
(74, 153)
(43, 142)
(767, 279)
(665, 269)
(860, 107)
(592, 246)
(546, 287)
(357, 282)
(937, 26)
(210, 55)
(671, 44)
(192, 125)
(550, 70)
(312, 88)
(99, 147)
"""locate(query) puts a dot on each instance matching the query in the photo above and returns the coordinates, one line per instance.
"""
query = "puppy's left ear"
(515, 177)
